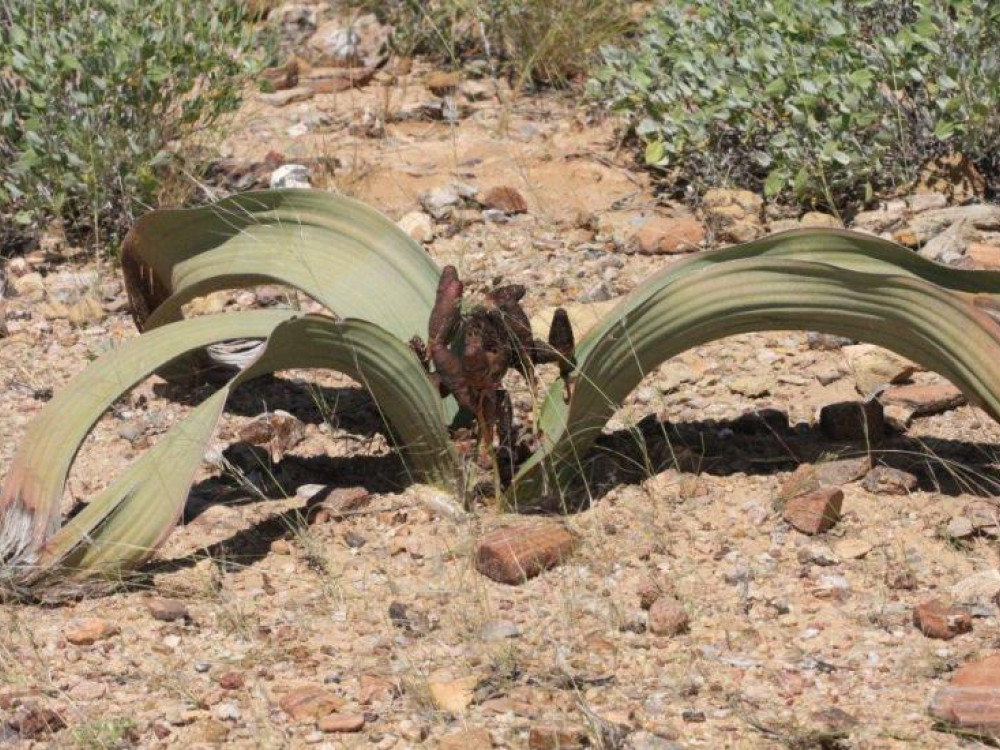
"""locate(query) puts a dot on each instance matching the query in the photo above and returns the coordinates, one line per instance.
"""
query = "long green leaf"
(34, 485)
(849, 284)
(344, 254)
(124, 524)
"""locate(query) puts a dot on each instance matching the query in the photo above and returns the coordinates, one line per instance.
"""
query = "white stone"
(290, 176)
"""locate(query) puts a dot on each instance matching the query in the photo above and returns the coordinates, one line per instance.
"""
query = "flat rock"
(949, 245)
(167, 610)
(88, 690)
(925, 226)
(886, 480)
(960, 527)
(818, 554)
(341, 723)
(664, 235)
(853, 549)
(815, 512)
(514, 554)
(375, 689)
(309, 702)
(971, 700)
(879, 220)
(978, 589)
(923, 400)
(453, 696)
(938, 619)
(506, 199)
(836, 473)
(344, 502)
(833, 720)
(826, 342)
(90, 630)
(874, 367)
(985, 517)
(897, 417)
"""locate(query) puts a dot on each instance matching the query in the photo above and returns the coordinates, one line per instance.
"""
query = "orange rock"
(906, 236)
(923, 400)
(972, 699)
(453, 696)
(556, 738)
(983, 256)
(939, 620)
(816, 511)
(514, 554)
(372, 689)
(231, 681)
(442, 83)
(89, 631)
(506, 199)
(811, 477)
(662, 234)
(342, 723)
(309, 702)
(668, 617)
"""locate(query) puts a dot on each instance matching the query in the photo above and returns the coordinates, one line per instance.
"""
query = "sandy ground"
(783, 627)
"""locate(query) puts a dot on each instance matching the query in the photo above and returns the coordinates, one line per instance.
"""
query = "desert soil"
(379, 612)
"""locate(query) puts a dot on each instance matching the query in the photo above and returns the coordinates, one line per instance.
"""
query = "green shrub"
(821, 101)
(538, 41)
(98, 99)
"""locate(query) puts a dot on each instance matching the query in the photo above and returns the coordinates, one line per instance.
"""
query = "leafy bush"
(99, 97)
(536, 40)
(820, 100)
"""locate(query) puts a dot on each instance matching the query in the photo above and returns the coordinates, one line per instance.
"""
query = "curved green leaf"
(851, 285)
(344, 254)
(125, 523)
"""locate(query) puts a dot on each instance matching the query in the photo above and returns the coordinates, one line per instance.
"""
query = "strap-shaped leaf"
(764, 286)
(33, 488)
(342, 253)
(124, 524)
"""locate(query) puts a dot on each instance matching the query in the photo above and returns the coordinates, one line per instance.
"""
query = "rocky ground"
(312, 597)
